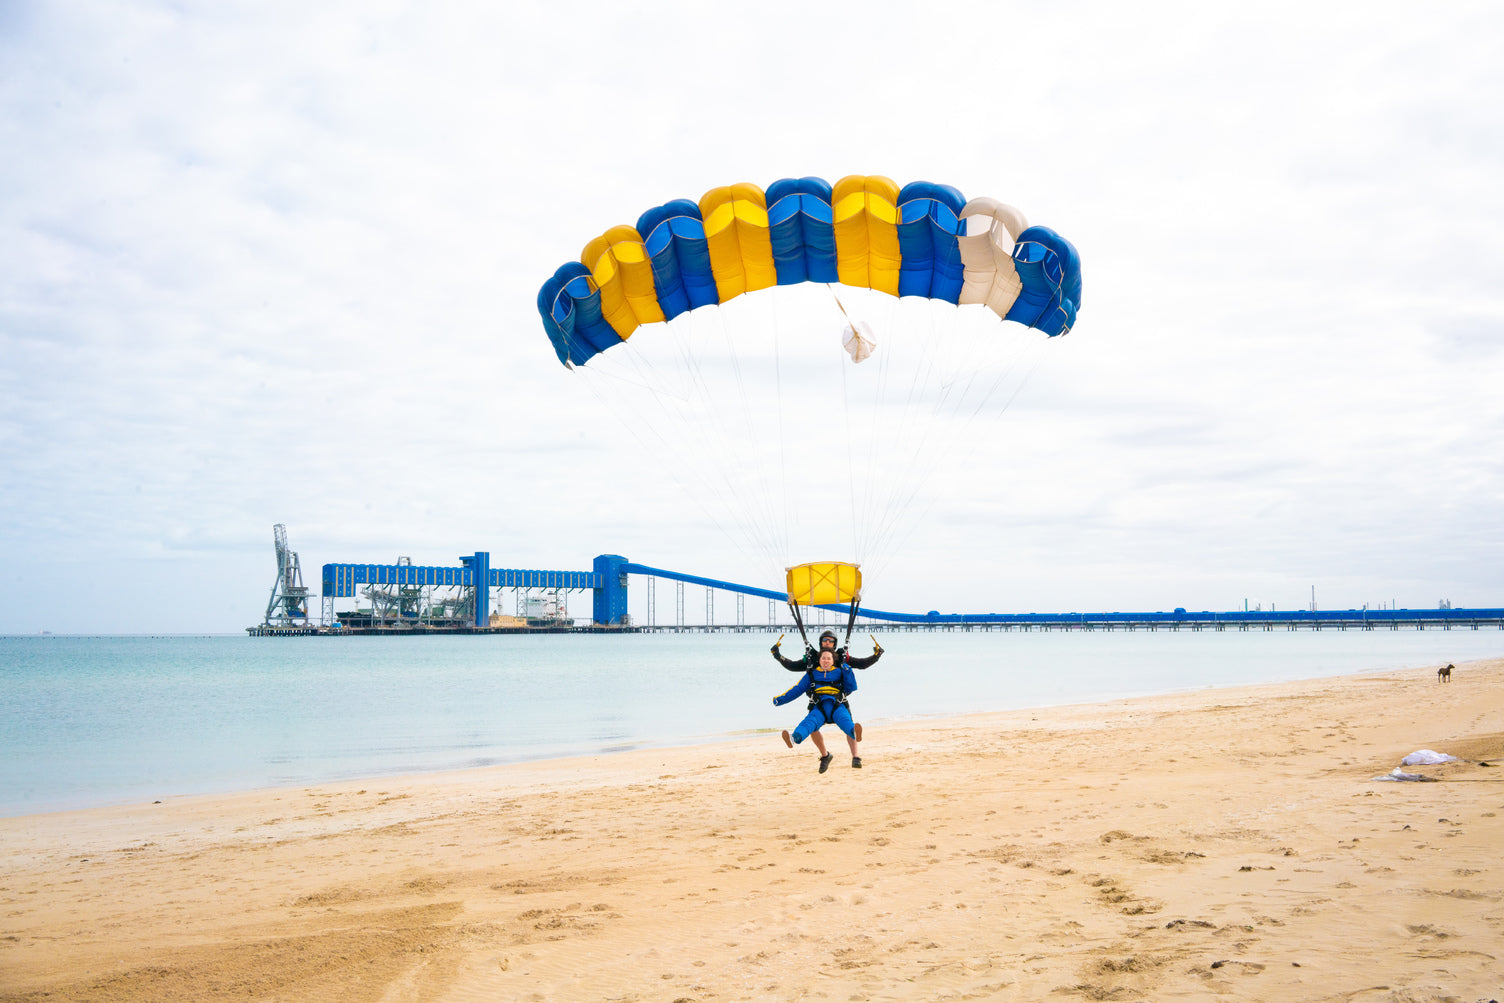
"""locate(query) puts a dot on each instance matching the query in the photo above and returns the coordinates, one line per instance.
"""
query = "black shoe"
(856, 762)
(825, 761)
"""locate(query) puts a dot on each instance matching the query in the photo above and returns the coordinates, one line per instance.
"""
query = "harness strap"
(799, 622)
(820, 694)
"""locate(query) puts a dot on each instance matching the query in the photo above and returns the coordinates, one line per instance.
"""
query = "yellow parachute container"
(825, 582)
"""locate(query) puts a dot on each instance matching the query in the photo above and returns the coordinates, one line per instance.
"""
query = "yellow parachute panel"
(619, 264)
(824, 582)
(865, 211)
(736, 231)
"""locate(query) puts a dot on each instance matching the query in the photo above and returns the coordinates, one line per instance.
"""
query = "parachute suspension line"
(881, 432)
(940, 360)
(799, 622)
(906, 451)
(699, 427)
(858, 513)
(760, 506)
(884, 480)
(836, 296)
(855, 517)
(894, 426)
(654, 437)
(706, 427)
(1031, 366)
(773, 485)
(783, 460)
(944, 360)
(897, 427)
(879, 472)
(945, 371)
(867, 478)
(1028, 359)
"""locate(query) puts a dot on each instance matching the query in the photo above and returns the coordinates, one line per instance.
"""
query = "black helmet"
(830, 634)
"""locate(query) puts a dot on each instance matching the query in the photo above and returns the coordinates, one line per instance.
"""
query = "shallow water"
(89, 721)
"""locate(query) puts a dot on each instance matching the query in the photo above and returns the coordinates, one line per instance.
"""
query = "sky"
(270, 263)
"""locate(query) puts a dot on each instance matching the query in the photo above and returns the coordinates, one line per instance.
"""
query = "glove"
(774, 648)
(877, 649)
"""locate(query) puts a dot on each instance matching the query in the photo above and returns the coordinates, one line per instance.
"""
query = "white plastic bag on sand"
(1425, 757)
(857, 340)
(1399, 774)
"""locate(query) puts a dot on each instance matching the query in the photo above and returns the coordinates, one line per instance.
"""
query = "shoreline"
(1218, 840)
(82, 767)
(708, 740)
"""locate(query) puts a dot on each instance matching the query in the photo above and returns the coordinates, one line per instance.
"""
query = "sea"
(91, 721)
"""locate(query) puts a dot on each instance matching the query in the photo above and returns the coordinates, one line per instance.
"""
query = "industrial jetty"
(404, 599)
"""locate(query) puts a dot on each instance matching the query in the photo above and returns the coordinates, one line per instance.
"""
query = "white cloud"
(266, 264)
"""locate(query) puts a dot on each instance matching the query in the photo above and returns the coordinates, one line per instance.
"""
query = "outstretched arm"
(799, 688)
(789, 663)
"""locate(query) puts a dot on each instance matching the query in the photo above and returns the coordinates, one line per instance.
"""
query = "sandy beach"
(1221, 843)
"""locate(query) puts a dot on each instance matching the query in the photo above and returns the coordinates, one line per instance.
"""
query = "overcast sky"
(277, 263)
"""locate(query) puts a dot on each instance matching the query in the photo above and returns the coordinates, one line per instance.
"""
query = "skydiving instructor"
(811, 657)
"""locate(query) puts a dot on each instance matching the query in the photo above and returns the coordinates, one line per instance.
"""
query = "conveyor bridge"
(608, 578)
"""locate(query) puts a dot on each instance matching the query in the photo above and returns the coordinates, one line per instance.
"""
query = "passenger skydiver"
(811, 657)
(827, 685)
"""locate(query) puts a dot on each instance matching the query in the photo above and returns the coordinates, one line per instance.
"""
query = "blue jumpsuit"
(827, 689)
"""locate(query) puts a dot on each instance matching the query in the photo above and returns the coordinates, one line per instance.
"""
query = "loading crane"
(288, 605)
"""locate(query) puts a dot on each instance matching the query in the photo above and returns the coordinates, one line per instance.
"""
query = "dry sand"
(1223, 843)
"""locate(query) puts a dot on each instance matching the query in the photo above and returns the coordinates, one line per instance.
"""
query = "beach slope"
(1223, 843)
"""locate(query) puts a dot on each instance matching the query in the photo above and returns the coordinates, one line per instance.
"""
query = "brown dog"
(1444, 674)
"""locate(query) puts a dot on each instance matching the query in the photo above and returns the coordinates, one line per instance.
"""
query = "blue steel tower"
(609, 603)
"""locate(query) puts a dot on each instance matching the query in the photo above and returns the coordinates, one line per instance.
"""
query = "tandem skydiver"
(827, 685)
(811, 657)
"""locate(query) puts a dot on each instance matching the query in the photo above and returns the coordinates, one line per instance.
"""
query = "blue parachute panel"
(1050, 269)
(801, 229)
(928, 225)
(558, 331)
(1070, 262)
(575, 312)
(674, 235)
(1039, 302)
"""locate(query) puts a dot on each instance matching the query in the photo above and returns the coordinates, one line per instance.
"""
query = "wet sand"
(1222, 843)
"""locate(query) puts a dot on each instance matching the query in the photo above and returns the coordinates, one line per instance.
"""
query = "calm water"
(102, 720)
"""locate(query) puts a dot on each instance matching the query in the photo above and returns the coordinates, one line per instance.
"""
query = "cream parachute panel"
(824, 582)
(990, 276)
(623, 273)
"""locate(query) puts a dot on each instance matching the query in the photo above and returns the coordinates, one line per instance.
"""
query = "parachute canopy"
(823, 583)
(863, 231)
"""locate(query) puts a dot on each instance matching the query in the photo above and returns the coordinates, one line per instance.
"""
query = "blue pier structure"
(474, 572)
(608, 582)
